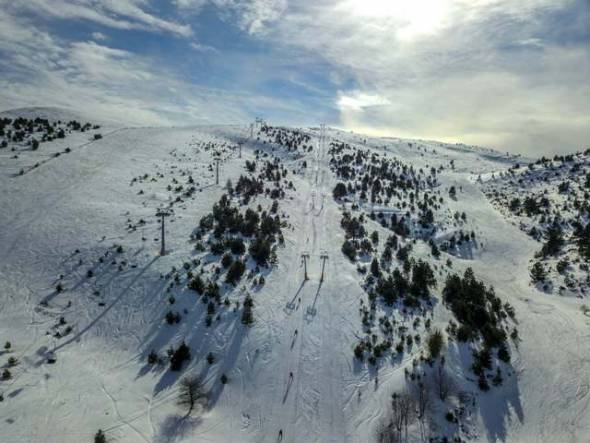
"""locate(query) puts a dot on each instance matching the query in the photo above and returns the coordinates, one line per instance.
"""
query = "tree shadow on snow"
(120, 296)
(499, 405)
(230, 357)
(201, 340)
(176, 428)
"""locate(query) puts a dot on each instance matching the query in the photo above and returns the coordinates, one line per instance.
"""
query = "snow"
(53, 113)
(83, 200)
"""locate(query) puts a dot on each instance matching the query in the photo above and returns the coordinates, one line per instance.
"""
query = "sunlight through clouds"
(410, 17)
(359, 100)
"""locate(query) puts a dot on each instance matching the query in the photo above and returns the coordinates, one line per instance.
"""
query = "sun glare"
(410, 17)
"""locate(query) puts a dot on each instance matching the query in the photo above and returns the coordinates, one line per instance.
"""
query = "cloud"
(202, 48)
(92, 62)
(119, 14)
(255, 15)
(99, 78)
(251, 16)
(492, 72)
(194, 5)
(39, 70)
(511, 75)
(357, 100)
(99, 36)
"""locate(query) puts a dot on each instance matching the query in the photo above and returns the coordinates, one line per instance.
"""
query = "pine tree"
(582, 236)
(434, 250)
(538, 273)
(349, 249)
(235, 272)
(375, 268)
(554, 240)
(339, 190)
(227, 260)
(435, 343)
(375, 238)
(196, 284)
(260, 250)
(179, 356)
(247, 316)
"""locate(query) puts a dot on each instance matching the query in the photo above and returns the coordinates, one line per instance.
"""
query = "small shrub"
(153, 358)
(179, 356)
(99, 437)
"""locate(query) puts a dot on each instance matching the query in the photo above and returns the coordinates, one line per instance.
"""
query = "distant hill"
(54, 113)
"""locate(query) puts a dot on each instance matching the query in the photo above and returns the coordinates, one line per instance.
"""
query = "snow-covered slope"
(84, 294)
(53, 113)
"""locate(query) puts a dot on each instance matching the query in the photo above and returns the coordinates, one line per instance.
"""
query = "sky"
(508, 74)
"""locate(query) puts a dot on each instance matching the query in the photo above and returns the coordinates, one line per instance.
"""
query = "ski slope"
(85, 201)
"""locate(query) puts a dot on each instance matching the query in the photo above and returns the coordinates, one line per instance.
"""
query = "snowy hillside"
(53, 114)
(101, 329)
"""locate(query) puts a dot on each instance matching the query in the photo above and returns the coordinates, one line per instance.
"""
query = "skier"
(294, 338)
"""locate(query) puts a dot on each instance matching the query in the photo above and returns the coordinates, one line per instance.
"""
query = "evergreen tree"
(434, 250)
(538, 273)
(349, 250)
(554, 240)
(339, 190)
(226, 260)
(237, 246)
(179, 356)
(375, 268)
(235, 272)
(422, 279)
(247, 316)
(582, 237)
(196, 284)
(375, 238)
(435, 343)
(260, 250)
